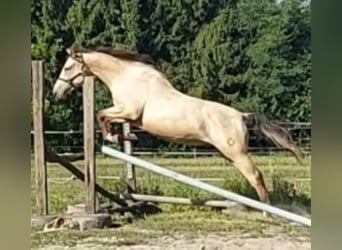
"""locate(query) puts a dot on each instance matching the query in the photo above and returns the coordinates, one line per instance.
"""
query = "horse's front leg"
(115, 114)
(105, 127)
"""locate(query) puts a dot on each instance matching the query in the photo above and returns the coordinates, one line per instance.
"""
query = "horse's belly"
(175, 130)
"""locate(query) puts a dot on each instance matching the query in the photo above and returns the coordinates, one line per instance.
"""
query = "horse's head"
(72, 75)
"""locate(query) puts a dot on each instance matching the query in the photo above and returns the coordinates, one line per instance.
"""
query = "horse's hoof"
(112, 138)
(131, 137)
(118, 138)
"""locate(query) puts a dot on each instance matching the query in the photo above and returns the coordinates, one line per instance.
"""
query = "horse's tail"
(274, 132)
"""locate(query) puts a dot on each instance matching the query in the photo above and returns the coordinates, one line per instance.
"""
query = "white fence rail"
(205, 186)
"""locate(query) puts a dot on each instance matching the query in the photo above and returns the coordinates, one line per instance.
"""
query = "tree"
(252, 55)
(281, 73)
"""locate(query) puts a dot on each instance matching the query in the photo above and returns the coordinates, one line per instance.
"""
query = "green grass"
(279, 172)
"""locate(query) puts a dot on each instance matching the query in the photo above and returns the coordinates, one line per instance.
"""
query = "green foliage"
(252, 55)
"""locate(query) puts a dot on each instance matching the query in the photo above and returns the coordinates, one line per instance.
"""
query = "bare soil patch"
(182, 242)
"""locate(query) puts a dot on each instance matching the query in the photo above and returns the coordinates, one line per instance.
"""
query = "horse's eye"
(68, 68)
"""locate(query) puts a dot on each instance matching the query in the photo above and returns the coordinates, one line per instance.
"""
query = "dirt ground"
(210, 242)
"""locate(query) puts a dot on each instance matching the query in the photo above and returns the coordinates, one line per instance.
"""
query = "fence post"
(130, 169)
(89, 145)
(39, 149)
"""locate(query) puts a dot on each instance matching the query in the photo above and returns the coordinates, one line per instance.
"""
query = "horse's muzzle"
(61, 90)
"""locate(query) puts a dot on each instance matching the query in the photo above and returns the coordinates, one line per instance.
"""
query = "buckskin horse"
(143, 96)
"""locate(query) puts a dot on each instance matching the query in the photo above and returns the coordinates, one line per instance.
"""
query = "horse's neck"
(105, 67)
(108, 69)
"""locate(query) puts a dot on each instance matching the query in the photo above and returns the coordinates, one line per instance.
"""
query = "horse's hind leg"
(242, 161)
(245, 165)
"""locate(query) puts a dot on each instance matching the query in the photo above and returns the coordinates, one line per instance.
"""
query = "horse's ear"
(70, 52)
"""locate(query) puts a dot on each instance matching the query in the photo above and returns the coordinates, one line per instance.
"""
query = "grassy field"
(279, 172)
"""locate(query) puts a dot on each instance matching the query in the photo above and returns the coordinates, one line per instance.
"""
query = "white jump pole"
(205, 186)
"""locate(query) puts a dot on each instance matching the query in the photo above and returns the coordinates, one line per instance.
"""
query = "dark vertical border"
(15, 95)
(327, 116)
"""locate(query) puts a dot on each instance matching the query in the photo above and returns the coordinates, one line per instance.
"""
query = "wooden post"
(89, 145)
(39, 151)
(53, 157)
(130, 170)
